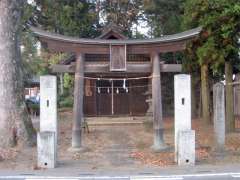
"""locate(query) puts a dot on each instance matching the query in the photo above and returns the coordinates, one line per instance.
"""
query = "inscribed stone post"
(46, 149)
(182, 106)
(48, 106)
(186, 148)
(219, 115)
(48, 103)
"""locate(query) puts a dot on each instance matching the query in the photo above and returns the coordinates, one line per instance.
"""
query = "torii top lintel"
(168, 43)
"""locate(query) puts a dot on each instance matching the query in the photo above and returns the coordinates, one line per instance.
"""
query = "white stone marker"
(48, 103)
(182, 106)
(219, 115)
(48, 108)
(46, 149)
(186, 148)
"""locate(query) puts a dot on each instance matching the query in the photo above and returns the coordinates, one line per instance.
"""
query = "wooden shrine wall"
(103, 98)
(138, 105)
(89, 100)
(132, 102)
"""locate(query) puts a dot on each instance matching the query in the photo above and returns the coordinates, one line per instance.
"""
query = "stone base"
(186, 148)
(159, 144)
(161, 148)
(219, 149)
(77, 138)
(79, 149)
(46, 149)
(219, 153)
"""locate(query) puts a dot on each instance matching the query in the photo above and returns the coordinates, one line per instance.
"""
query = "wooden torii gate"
(118, 50)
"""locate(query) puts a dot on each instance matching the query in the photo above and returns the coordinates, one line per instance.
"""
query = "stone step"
(96, 121)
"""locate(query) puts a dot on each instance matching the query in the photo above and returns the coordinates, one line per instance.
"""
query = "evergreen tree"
(163, 16)
(69, 17)
(77, 18)
(216, 46)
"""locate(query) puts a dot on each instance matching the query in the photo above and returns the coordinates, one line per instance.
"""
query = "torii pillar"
(159, 144)
(78, 104)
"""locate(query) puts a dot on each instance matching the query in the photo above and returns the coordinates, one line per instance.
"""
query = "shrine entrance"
(116, 96)
(117, 58)
(112, 97)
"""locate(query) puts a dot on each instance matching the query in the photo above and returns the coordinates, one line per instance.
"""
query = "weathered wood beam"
(78, 103)
(158, 48)
(57, 68)
(104, 68)
(171, 68)
(58, 46)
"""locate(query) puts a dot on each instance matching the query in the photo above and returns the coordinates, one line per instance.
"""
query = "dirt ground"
(116, 146)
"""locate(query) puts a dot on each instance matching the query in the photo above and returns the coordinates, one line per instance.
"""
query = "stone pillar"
(186, 148)
(46, 149)
(157, 105)
(78, 104)
(182, 106)
(219, 115)
(48, 103)
(236, 93)
(61, 76)
(148, 94)
(47, 138)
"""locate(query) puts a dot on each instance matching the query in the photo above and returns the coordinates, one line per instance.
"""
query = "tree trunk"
(205, 94)
(230, 123)
(14, 123)
(199, 115)
(193, 95)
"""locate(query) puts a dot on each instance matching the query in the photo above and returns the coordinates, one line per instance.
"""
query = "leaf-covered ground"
(123, 146)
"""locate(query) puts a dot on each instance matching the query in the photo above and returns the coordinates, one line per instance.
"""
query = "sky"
(30, 1)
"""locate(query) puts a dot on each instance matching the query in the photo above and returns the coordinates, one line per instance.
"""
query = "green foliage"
(68, 17)
(218, 41)
(34, 107)
(48, 59)
(66, 99)
(66, 102)
(30, 60)
(68, 81)
(163, 16)
(33, 62)
(28, 45)
(172, 58)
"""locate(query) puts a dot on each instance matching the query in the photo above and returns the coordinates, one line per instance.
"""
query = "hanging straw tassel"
(124, 83)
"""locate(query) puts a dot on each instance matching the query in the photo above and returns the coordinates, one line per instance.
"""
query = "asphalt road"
(216, 176)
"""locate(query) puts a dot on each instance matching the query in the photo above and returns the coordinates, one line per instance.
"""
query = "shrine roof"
(111, 31)
(164, 39)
